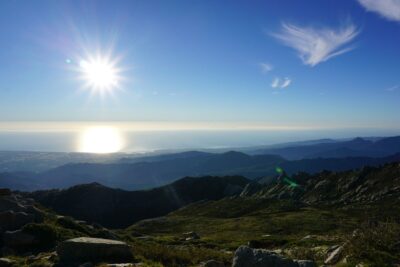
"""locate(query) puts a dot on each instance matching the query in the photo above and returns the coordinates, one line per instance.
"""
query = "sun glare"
(99, 73)
(101, 140)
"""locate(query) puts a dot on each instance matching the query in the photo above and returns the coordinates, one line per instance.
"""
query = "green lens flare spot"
(279, 170)
(290, 182)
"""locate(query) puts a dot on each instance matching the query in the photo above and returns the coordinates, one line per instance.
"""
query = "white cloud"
(266, 67)
(275, 83)
(390, 9)
(317, 45)
(280, 83)
(286, 82)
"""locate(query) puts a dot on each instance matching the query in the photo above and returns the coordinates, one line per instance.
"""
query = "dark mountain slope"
(368, 185)
(335, 164)
(356, 147)
(118, 208)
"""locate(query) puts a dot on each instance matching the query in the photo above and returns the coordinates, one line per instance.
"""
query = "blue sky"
(205, 61)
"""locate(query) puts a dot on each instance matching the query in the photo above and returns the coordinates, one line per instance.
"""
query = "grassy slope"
(226, 224)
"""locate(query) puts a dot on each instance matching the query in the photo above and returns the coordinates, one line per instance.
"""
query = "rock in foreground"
(5, 262)
(248, 257)
(84, 249)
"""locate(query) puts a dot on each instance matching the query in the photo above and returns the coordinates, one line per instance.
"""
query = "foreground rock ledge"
(248, 257)
(87, 249)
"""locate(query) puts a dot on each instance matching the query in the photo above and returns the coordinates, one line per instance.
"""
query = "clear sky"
(313, 63)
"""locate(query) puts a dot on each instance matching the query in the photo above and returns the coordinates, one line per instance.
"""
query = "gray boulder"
(124, 264)
(190, 236)
(248, 257)
(212, 263)
(334, 255)
(305, 263)
(87, 249)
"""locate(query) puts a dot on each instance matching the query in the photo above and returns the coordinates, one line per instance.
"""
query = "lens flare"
(283, 177)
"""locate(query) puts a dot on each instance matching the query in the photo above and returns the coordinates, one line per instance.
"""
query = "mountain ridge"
(119, 208)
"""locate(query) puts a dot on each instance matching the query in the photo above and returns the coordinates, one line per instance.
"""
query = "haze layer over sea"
(151, 140)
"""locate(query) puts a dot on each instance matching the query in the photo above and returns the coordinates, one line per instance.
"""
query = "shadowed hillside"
(118, 208)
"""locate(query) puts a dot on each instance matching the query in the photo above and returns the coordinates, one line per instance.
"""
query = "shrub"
(69, 223)
(45, 235)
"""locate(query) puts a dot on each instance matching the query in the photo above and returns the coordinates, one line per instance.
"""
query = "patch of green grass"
(282, 221)
(271, 224)
(184, 255)
(376, 243)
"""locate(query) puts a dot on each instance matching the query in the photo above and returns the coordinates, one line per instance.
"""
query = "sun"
(100, 140)
(99, 73)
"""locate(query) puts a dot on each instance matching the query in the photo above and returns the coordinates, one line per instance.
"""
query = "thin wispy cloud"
(280, 83)
(389, 9)
(316, 45)
(286, 82)
(275, 83)
(266, 67)
(393, 88)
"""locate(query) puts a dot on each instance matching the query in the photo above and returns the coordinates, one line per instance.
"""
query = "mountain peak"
(235, 153)
(359, 140)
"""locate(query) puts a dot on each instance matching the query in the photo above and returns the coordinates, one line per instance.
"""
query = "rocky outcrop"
(10, 202)
(190, 236)
(248, 257)
(18, 216)
(251, 189)
(17, 211)
(10, 220)
(87, 249)
(367, 185)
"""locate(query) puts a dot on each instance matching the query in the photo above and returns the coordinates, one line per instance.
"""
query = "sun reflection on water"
(101, 139)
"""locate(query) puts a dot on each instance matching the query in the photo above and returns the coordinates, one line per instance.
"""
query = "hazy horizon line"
(142, 126)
